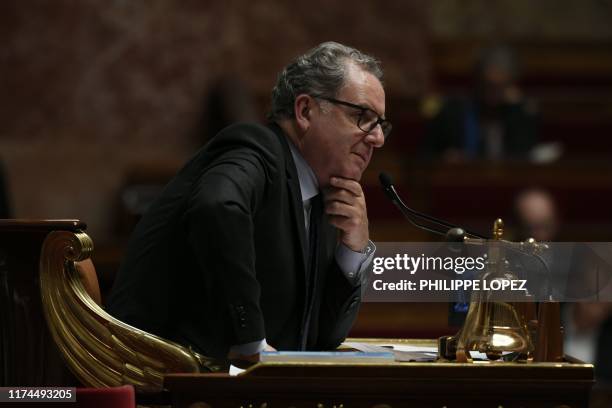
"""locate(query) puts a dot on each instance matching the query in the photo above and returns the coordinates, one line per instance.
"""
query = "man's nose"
(376, 137)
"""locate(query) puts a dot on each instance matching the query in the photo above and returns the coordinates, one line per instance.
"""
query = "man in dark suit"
(261, 240)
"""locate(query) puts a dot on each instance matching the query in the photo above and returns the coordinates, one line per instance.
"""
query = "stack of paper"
(401, 352)
(378, 356)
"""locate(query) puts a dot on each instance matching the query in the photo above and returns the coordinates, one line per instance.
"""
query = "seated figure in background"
(536, 214)
(587, 325)
(494, 121)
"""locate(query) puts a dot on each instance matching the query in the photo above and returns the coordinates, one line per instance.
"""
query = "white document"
(401, 352)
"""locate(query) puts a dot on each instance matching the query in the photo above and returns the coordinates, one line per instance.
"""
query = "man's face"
(334, 145)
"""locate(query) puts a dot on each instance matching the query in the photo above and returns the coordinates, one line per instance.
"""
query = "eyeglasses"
(368, 119)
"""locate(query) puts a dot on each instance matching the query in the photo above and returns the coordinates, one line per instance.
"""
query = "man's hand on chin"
(345, 205)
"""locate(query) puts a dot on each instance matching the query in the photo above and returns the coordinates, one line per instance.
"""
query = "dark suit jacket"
(219, 259)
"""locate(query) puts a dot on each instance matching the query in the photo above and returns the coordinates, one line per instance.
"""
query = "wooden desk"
(391, 385)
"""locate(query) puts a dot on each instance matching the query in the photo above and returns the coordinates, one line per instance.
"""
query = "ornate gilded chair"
(99, 350)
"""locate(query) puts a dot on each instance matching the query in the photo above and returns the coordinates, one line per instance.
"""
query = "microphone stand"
(549, 336)
(453, 233)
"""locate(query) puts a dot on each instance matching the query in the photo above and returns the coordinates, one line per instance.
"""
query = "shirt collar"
(309, 186)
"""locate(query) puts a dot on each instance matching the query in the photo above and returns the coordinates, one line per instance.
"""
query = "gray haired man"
(261, 240)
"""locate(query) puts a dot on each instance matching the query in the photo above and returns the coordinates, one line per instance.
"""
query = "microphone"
(450, 231)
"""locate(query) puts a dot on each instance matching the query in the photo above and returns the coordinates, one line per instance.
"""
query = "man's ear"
(303, 108)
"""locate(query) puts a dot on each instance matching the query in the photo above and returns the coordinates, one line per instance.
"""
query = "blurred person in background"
(536, 215)
(494, 121)
(587, 325)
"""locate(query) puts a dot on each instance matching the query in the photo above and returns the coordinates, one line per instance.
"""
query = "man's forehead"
(363, 88)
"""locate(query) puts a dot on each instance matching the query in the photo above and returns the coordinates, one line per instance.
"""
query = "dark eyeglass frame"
(385, 125)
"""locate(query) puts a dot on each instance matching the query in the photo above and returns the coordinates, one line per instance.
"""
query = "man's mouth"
(362, 156)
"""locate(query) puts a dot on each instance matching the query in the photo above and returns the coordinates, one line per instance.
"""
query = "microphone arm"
(455, 233)
(411, 214)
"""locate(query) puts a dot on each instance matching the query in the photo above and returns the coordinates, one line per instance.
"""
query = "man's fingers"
(339, 222)
(340, 208)
(346, 210)
(344, 220)
(336, 194)
(347, 184)
(343, 223)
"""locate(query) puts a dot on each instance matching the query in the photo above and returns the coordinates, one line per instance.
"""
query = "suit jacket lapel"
(293, 185)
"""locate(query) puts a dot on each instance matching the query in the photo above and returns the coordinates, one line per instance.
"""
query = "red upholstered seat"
(115, 397)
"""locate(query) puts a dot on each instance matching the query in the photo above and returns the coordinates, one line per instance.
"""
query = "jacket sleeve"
(219, 222)
(339, 309)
